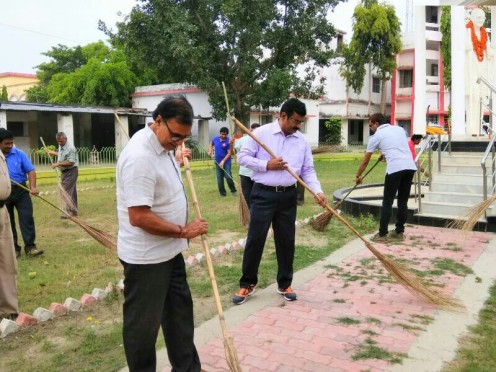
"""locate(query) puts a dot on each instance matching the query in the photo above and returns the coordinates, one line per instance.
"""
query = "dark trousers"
(301, 194)
(69, 179)
(221, 174)
(396, 183)
(158, 295)
(278, 208)
(20, 200)
(246, 186)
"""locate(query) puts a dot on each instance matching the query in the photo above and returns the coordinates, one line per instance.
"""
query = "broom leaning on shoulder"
(404, 277)
(230, 351)
(322, 220)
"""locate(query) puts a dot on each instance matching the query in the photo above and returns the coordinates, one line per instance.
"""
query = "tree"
(62, 60)
(446, 44)
(376, 40)
(333, 126)
(91, 75)
(4, 96)
(255, 47)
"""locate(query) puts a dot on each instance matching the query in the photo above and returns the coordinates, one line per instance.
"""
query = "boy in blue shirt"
(222, 156)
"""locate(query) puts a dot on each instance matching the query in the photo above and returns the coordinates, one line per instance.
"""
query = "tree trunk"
(383, 96)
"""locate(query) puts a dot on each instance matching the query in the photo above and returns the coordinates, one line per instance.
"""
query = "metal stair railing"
(490, 149)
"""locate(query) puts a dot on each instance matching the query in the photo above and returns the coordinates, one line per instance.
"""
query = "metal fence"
(107, 156)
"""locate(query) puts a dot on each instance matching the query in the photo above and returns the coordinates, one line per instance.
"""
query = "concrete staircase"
(456, 188)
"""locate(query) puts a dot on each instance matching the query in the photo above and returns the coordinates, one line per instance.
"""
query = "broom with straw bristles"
(244, 211)
(322, 220)
(472, 216)
(404, 277)
(64, 197)
(230, 351)
(102, 237)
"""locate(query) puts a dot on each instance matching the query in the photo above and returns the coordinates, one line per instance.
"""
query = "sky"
(30, 27)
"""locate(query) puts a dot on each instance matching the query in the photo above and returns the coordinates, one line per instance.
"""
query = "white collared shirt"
(149, 175)
(392, 140)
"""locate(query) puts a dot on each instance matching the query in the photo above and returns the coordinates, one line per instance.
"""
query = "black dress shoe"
(34, 252)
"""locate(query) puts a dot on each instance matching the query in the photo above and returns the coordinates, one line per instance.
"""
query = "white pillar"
(419, 105)
(65, 124)
(457, 70)
(203, 137)
(493, 45)
(3, 119)
(121, 131)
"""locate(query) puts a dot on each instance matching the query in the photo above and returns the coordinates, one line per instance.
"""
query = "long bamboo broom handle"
(51, 161)
(229, 117)
(269, 151)
(404, 277)
(205, 245)
(38, 196)
(121, 125)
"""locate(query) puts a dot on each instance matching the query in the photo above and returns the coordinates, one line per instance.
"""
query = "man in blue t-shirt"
(20, 170)
(221, 149)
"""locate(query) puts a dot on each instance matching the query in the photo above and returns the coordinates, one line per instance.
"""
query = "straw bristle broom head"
(473, 215)
(322, 149)
(231, 355)
(102, 237)
(65, 201)
(320, 222)
(410, 281)
(244, 211)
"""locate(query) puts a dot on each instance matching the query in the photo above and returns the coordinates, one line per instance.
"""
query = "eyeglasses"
(296, 121)
(176, 137)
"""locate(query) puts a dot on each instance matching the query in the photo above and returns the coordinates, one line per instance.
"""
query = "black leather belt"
(66, 170)
(276, 188)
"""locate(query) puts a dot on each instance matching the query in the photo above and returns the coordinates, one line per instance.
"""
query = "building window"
(339, 41)
(406, 78)
(434, 70)
(432, 119)
(406, 125)
(265, 119)
(376, 85)
(431, 14)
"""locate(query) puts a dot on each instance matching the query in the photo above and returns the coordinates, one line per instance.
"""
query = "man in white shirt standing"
(153, 231)
(393, 143)
(245, 173)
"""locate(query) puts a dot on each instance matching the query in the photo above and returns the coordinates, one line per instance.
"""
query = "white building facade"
(148, 97)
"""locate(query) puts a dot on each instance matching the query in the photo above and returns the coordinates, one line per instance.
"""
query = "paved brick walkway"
(351, 309)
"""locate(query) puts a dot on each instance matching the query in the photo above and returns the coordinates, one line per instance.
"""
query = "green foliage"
(446, 44)
(333, 135)
(90, 75)
(43, 154)
(4, 96)
(376, 40)
(255, 47)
